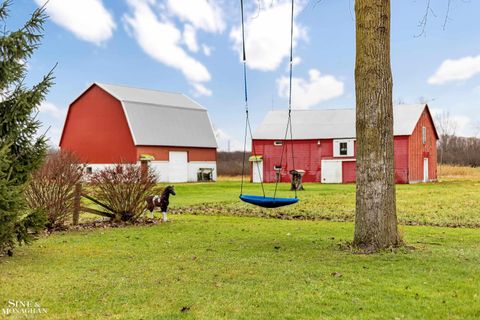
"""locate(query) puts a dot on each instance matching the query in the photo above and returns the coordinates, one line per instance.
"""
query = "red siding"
(96, 129)
(349, 171)
(327, 148)
(418, 150)
(400, 148)
(309, 155)
(194, 154)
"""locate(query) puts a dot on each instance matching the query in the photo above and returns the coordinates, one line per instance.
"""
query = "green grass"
(245, 268)
(448, 203)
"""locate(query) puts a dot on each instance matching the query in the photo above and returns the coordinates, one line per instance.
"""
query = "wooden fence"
(77, 206)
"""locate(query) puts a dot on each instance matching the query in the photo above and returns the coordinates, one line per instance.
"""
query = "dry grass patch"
(458, 172)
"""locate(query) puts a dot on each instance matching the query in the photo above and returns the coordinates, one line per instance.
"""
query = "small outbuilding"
(170, 132)
(324, 145)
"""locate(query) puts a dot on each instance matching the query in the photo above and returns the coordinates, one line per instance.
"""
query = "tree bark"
(375, 218)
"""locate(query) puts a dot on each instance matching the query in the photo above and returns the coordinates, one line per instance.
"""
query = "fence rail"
(77, 206)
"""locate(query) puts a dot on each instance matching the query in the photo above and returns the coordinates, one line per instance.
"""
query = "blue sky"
(191, 46)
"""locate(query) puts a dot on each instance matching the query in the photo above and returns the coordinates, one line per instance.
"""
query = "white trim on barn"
(128, 122)
(162, 170)
(95, 167)
(350, 147)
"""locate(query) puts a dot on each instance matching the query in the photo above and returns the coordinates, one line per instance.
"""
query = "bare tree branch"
(447, 15)
(423, 22)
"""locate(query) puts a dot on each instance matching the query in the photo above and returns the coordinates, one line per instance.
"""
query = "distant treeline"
(459, 151)
(230, 163)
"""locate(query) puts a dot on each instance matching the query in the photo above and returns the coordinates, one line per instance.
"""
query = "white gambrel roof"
(158, 118)
(331, 123)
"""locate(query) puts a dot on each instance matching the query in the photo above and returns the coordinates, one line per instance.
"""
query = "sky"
(194, 46)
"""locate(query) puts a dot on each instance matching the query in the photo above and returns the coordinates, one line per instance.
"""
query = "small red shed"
(324, 145)
(173, 134)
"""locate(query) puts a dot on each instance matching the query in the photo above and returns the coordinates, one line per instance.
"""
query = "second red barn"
(324, 145)
(167, 131)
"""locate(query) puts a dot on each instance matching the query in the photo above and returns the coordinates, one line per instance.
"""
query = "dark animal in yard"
(160, 201)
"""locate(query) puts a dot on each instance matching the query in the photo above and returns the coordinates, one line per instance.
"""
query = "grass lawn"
(453, 202)
(245, 268)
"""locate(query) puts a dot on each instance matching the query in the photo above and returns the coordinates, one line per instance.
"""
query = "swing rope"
(289, 121)
(247, 118)
(248, 129)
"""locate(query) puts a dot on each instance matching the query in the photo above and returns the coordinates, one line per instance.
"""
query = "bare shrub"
(52, 187)
(123, 188)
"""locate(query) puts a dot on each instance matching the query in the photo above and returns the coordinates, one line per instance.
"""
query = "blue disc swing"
(263, 201)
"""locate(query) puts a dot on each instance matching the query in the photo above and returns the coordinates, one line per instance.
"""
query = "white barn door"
(257, 173)
(178, 166)
(425, 169)
(331, 171)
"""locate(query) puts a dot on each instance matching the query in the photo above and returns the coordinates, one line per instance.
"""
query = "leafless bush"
(230, 163)
(52, 187)
(123, 188)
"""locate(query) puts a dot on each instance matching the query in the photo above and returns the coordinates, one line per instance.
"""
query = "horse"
(161, 201)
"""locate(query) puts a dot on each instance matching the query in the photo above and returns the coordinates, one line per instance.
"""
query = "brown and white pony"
(160, 201)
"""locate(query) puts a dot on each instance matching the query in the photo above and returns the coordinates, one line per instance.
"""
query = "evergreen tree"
(22, 148)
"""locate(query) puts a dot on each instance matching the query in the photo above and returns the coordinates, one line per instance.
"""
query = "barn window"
(88, 170)
(424, 135)
(278, 143)
(343, 148)
(277, 168)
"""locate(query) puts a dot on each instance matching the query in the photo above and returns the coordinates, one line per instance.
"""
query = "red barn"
(109, 124)
(324, 145)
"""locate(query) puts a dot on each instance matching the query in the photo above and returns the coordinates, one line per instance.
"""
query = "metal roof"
(158, 118)
(331, 123)
(124, 93)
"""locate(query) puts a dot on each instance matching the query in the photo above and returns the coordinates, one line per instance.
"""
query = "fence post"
(76, 204)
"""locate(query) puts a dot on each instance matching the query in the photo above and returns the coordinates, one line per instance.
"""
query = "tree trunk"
(375, 219)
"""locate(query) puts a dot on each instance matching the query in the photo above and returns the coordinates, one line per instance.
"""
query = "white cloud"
(462, 126)
(52, 118)
(309, 92)
(89, 20)
(456, 70)
(190, 37)
(53, 135)
(162, 40)
(52, 110)
(227, 143)
(267, 34)
(52, 131)
(202, 90)
(206, 50)
(295, 61)
(202, 14)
